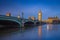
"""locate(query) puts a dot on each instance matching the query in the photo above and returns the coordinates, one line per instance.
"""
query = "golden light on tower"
(40, 16)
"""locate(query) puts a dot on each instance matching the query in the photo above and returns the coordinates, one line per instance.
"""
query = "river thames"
(42, 32)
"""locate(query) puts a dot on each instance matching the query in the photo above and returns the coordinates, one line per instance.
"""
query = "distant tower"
(22, 15)
(40, 16)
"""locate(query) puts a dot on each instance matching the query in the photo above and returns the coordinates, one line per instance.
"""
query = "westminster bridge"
(14, 21)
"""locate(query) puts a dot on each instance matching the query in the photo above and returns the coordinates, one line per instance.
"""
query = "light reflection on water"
(52, 27)
(42, 32)
(49, 27)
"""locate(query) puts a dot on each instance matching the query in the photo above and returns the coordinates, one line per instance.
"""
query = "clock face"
(39, 14)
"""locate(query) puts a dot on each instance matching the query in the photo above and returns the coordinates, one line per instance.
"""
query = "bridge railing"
(8, 17)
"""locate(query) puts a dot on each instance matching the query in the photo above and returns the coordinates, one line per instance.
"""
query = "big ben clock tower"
(40, 16)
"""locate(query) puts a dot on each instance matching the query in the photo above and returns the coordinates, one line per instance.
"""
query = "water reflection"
(52, 27)
(49, 27)
(55, 27)
(40, 30)
(7, 31)
(38, 33)
(22, 29)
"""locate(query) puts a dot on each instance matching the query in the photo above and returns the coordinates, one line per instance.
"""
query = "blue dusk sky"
(49, 8)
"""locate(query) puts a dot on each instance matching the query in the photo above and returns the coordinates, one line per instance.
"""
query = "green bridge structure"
(21, 22)
(9, 20)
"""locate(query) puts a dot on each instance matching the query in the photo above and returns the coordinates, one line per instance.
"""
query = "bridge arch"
(29, 23)
(10, 22)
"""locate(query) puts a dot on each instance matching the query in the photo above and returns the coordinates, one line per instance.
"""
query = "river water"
(42, 32)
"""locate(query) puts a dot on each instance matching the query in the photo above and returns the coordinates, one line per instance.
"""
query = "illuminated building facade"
(33, 18)
(53, 19)
(8, 14)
